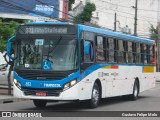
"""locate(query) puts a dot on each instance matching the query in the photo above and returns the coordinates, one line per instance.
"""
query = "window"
(142, 53)
(138, 55)
(116, 47)
(121, 52)
(149, 54)
(134, 50)
(130, 55)
(88, 51)
(125, 53)
(110, 44)
(100, 49)
(145, 53)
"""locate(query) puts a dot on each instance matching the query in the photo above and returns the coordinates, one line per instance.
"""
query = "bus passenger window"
(100, 49)
(88, 51)
(130, 55)
(142, 53)
(125, 53)
(134, 50)
(121, 52)
(116, 47)
(138, 55)
(111, 49)
(145, 53)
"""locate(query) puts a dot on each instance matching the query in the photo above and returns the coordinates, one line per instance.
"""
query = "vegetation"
(154, 32)
(86, 15)
(7, 30)
(70, 4)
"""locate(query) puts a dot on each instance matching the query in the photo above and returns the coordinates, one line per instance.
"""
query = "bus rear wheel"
(135, 93)
(40, 103)
(95, 98)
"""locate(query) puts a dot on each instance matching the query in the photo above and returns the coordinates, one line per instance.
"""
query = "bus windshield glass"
(57, 54)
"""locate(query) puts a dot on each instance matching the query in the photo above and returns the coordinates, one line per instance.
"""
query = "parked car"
(4, 69)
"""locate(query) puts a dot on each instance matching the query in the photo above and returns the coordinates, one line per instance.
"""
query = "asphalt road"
(148, 101)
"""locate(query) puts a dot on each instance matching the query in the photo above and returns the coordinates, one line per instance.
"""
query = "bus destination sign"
(45, 30)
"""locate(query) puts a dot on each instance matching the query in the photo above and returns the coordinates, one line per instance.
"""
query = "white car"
(4, 71)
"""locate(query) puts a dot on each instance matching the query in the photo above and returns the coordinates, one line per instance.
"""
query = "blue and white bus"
(62, 61)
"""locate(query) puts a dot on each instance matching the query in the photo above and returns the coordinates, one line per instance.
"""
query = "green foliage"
(7, 30)
(154, 32)
(70, 4)
(86, 15)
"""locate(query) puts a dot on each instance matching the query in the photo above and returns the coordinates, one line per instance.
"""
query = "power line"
(123, 11)
(129, 7)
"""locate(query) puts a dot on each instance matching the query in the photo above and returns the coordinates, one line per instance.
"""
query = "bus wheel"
(135, 93)
(40, 103)
(95, 98)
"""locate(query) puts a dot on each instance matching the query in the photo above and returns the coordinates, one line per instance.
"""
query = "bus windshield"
(57, 54)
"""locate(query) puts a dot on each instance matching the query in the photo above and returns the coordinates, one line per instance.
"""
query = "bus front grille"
(43, 75)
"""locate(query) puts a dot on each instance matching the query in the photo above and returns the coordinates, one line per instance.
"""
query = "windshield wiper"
(58, 41)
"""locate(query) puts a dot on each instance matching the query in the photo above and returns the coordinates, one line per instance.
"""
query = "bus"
(59, 61)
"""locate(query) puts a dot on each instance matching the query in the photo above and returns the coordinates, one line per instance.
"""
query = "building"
(147, 14)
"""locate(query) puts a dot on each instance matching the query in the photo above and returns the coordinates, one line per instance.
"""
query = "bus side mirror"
(10, 47)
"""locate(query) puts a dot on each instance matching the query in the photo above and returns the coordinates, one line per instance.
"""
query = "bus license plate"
(41, 93)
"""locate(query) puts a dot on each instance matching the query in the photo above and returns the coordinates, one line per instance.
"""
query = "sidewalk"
(5, 98)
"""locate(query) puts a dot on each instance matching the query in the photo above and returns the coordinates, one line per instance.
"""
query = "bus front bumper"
(69, 94)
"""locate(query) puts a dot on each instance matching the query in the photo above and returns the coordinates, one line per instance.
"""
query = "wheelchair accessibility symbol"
(47, 65)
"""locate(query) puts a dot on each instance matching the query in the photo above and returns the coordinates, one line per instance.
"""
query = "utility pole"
(135, 18)
(115, 20)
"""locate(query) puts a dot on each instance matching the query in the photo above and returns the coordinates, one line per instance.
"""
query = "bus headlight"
(18, 84)
(69, 84)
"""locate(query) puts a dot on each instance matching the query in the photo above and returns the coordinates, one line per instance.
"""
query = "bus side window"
(138, 55)
(130, 55)
(88, 51)
(145, 53)
(121, 55)
(116, 47)
(111, 49)
(148, 54)
(125, 53)
(134, 50)
(142, 52)
(100, 49)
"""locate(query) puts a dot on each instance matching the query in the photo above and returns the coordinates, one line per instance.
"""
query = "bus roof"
(115, 34)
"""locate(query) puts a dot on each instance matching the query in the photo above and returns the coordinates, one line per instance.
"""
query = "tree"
(154, 32)
(86, 15)
(7, 30)
(70, 4)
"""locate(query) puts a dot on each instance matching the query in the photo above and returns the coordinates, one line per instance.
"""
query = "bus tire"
(135, 93)
(40, 103)
(95, 98)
